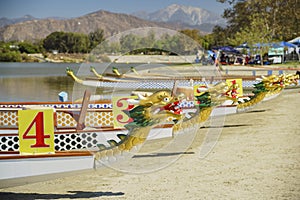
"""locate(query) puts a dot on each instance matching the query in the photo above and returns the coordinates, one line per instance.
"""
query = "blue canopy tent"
(228, 49)
(276, 44)
(259, 45)
(243, 48)
(228, 55)
(286, 44)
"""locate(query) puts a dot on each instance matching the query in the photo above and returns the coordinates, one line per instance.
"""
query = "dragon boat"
(84, 135)
(148, 81)
(153, 81)
(265, 87)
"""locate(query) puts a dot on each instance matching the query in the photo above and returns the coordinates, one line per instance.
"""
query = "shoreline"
(82, 58)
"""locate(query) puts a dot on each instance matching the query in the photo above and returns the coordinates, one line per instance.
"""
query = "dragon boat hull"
(74, 152)
(73, 147)
(17, 170)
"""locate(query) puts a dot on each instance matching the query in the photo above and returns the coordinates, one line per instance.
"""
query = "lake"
(44, 81)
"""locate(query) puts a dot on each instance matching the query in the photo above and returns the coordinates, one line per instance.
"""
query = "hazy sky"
(75, 8)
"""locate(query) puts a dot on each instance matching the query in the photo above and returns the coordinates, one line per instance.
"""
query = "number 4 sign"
(36, 131)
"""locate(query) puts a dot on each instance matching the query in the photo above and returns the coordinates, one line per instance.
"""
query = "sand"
(257, 156)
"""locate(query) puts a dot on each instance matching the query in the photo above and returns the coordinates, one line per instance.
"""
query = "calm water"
(33, 81)
(44, 81)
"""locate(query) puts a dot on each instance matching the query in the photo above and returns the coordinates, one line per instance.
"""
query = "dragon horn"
(116, 71)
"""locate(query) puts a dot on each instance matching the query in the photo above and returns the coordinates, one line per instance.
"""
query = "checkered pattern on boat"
(63, 142)
(65, 120)
(9, 119)
(158, 84)
(61, 106)
(92, 119)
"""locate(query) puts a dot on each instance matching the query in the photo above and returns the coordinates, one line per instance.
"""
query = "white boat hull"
(25, 167)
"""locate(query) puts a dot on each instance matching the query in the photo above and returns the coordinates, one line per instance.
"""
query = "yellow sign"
(235, 87)
(121, 104)
(36, 131)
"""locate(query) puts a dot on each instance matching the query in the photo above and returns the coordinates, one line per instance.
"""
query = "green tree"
(55, 41)
(281, 17)
(192, 33)
(77, 42)
(257, 35)
(67, 42)
(95, 38)
(28, 47)
(114, 47)
(10, 56)
(149, 40)
(130, 43)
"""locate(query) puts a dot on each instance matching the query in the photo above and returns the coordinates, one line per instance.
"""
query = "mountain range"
(184, 15)
(173, 17)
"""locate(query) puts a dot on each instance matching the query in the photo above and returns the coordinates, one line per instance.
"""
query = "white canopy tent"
(295, 41)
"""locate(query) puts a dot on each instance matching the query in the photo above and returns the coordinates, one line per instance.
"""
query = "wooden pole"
(83, 110)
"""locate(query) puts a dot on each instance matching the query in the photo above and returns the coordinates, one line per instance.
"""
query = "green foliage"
(28, 47)
(175, 44)
(11, 56)
(9, 52)
(130, 42)
(278, 19)
(95, 38)
(257, 32)
(67, 42)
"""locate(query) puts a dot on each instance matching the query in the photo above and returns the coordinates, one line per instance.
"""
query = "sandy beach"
(257, 156)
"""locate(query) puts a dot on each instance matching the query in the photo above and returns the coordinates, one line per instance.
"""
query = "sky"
(76, 8)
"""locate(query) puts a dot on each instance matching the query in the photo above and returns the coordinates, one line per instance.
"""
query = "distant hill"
(6, 21)
(173, 17)
(185, 16)
(111, 23)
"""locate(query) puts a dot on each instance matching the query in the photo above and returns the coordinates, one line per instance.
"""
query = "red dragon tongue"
(173, 107)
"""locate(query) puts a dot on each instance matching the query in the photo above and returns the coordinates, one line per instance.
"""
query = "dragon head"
(211, 95)
(155, 108)
(70, 73)
(290, 79)
(274, 82)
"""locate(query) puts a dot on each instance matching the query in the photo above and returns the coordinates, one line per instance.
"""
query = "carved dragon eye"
(166, 99)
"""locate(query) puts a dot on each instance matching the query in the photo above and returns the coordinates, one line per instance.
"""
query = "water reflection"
(15, 89)
(28, 82)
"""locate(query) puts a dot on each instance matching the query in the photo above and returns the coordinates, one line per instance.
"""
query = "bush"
(27, 47)
(11, 56)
